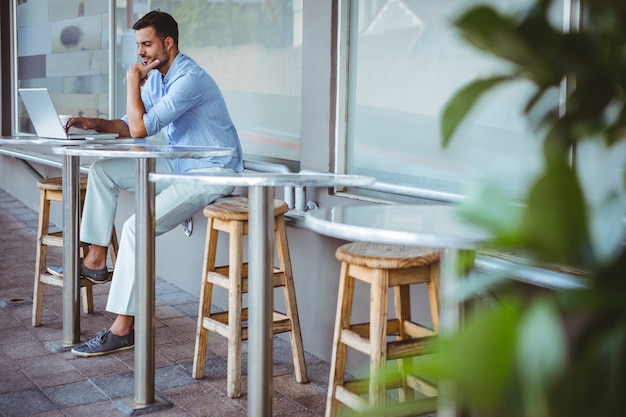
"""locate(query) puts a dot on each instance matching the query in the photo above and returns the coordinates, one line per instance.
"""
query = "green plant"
(561, 354)
(556, 354)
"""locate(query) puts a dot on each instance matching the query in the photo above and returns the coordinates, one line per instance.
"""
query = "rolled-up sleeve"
(182, 94)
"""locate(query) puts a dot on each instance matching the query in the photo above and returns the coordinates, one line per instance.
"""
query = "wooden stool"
(382, 266)
(230, 215)
(51, 189)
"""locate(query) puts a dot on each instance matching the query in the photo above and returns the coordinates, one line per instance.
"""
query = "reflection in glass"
(64, 47)
(409, 62)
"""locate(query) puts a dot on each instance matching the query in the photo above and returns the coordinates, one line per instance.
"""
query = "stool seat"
(385, 256)
(51, 189)
(56, 183)
(236, 208)
(383, 267)
(230, 215)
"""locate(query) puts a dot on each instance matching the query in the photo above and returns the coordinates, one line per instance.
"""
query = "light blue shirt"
(188, 106)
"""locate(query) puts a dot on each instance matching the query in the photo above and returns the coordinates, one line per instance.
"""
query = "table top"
(436, 226)
(34, 140)
(249, 179)
(142, 151)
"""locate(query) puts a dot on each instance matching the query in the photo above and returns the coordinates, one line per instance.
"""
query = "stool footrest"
(220, 278)
(417, 330)
(411, 347)
(218, 323)
(394, 327)
(427, 388)
(360, 404)
(53, 239)
(55, 281)
(393, 380)
(56, 239)
(361, 386)
(349, 398)
(51, 280)
(354, 393)
(421, 339)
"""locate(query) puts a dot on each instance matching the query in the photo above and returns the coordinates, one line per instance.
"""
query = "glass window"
(407, 62)
(252, 48)
(63, 46)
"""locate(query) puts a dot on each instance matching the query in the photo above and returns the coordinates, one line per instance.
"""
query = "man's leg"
(106, 178)
(173, 205)
(122, 325)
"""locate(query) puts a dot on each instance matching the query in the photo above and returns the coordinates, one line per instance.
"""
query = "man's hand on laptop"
(84, 123)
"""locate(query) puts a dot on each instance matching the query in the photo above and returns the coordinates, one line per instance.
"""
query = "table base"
(58, 346)
(129, 407)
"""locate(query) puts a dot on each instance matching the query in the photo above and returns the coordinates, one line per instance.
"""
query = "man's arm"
(136, 75)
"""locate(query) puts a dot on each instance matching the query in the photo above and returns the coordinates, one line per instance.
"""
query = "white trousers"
(173, 204)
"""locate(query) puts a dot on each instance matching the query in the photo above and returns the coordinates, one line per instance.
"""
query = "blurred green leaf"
(481, 359)
(490, 31)
(521, 43)
(459, 106)
(555, 221)
(491, 207)
(606, 235)
(541, 355)
(480, 282)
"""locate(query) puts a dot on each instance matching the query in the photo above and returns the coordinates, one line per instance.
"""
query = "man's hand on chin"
(139, 72)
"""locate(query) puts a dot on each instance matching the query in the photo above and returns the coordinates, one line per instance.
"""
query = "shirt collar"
(173, 68)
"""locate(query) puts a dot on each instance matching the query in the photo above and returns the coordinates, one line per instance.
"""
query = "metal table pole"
(450, 318)
(261, 253)
(144, 400)
(71, 222)
(145, 309)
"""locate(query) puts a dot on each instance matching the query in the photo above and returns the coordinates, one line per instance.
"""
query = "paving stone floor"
(34, 381)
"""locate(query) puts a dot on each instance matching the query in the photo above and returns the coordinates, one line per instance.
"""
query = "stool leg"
(40, 258)
(433, 295)
(113, 247)
(86, 291)
(87, 298)
(378, 336)
(289, 291)
(339, 352)
(206, 292)
(402, 303)
(235, 269)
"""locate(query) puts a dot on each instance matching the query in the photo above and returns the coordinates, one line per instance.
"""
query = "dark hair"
(164, 24)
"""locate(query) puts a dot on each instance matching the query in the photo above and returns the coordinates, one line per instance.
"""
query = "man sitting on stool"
(180, 99)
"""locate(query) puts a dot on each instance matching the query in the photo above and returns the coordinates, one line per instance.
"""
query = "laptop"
(46, 121)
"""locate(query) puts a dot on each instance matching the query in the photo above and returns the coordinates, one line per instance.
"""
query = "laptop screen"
(45, 118)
